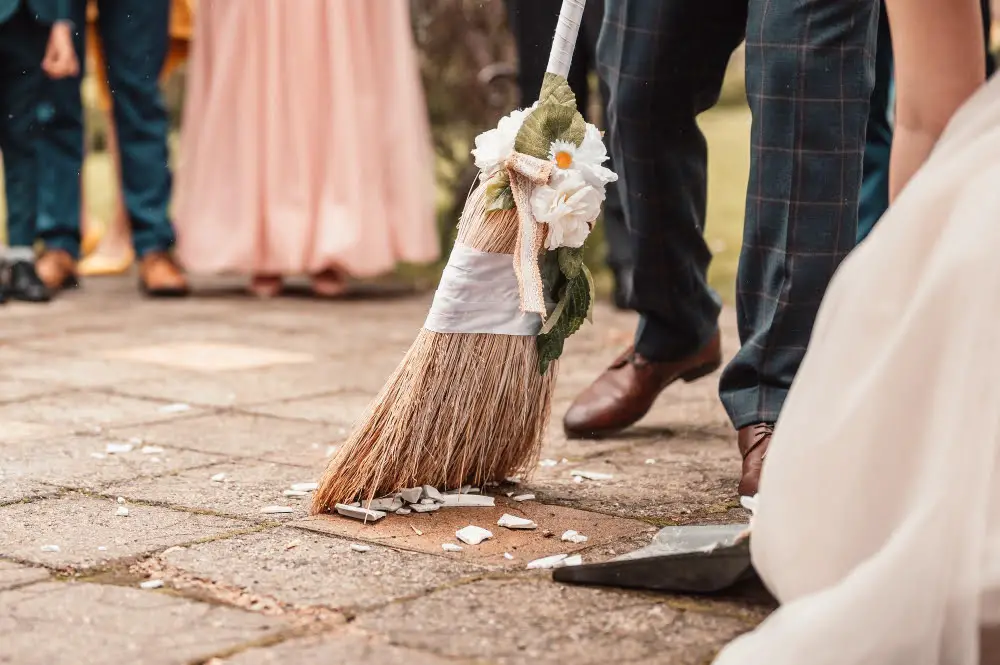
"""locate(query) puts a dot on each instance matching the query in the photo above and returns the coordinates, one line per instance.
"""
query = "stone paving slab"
(342, 648)
(305, 569)
(343, 409)
(82, 462)
(91, 624)
(523, 545)
(87, 411)
(534, 621)
(79, 525)
(14, 575)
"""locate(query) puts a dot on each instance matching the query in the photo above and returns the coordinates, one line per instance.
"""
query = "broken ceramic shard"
(360, 548)
(404, 511)
(425, 508)
(432, 493)
(574, 560)
(411, 495)
(151, 584)
(295, 493)
(277, 510)
(572, 536)
(218, 478)
(118, 448)
(473, 535)
(651, 461)
(451, 547)
(50, 548)
(591, 475)
(508, 556)
(385, 504)
(175, 408)
(547, 562)
(122, 511)
(120, 500)
(359, 513)
(98, 455)
(305, 487)
(478, 500)
(524, 497)
(548, 462)
(152, 450)
(512, 480)
(515, 522)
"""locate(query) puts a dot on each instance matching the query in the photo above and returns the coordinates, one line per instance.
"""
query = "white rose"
(569, 206)
(493, 147)
(589, 157)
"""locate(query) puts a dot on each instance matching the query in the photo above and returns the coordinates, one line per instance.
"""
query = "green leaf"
(572, 309)
(593, 292)
(549, 122)
(570, 261)
(556, 89)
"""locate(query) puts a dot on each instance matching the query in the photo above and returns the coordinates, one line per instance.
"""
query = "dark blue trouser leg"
(22, 47)
(878, 139)
(135, 35)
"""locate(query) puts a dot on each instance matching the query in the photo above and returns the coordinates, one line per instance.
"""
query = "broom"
(471, 399)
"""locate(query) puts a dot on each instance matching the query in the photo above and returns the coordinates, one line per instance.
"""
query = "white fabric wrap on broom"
(479, 293)
(567, 29)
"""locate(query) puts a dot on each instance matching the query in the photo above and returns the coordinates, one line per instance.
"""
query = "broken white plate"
(574, 560)
(218, 478)
(305, 487)
(151, 584)
(118, 448)
(360, 548)
(651, 461)
(515, 522)
(473, 535)
(508, 556)
(572, 536)
(478, 500)
(50, 548)
(152, 450)
(451, 547)
(122, 511)
(548, 462)
(120, 500)
(277, 510)
(295, 493)
(358, 513)
(98, 455)
(175, 408)
(591, 475)
(524, 497)
(545, 563)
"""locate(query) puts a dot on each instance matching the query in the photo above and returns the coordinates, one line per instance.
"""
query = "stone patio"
(256, 393)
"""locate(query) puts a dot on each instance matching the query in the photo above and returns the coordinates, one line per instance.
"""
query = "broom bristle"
(460, 408)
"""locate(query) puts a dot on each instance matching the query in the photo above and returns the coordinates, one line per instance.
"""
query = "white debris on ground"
(360, 548)
(175, 408)
(508, 556)
(277, 510)
(218, 478)
(151, 584)
(515, 522)
(416, 530)
(548, 462)
(331, 450)
(359, 513)
(651, 461)
(152, 450)
(512, 480)
(473, 535)
(478, 500)
(50, 548)
(555, 561)
(296, 494)
(451, 547)
(98, 455)
(524, 497)
(102, 548)
(122, 511)
(118, 448)
(120, 500)
(572, 536)
(305, 487)
(590, 475)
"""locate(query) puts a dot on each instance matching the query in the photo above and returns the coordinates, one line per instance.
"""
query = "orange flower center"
(564, 159)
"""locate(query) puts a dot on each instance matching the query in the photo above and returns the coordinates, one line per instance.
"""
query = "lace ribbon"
(525, 172)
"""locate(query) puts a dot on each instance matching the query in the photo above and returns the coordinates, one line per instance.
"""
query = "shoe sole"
(163, 293)
(689, 376)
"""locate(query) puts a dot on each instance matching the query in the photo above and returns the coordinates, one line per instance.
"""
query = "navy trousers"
(809, 74)
(135, 37)
(22, 48)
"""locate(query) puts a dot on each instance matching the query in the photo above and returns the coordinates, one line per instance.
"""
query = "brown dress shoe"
(57, 270)
(160, 277)
(625, 392)
(753, 441)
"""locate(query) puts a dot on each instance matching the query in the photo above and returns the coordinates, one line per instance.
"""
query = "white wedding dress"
(878, 520)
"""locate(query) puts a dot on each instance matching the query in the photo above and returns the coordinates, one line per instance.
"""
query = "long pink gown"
(305, 141)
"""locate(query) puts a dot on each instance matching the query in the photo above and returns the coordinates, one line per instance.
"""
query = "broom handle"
(561, 56)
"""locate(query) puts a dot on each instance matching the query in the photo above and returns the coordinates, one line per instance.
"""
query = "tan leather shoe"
(57, 270)
(160, 277)
(625, 392)
(753, 441)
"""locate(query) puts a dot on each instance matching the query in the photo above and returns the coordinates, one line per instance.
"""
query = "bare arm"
(939, 63)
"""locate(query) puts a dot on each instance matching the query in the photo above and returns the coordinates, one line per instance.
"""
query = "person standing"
(134, 38)
(305, 144)
(809, 79)
(35, 40)
(533, 22)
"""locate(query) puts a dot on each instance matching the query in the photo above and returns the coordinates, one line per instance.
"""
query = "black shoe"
(24, 284)
(620, 295)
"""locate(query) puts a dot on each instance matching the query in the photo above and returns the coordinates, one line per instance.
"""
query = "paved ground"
(259, 391)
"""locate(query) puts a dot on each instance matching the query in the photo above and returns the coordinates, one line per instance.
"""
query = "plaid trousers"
(809, 75)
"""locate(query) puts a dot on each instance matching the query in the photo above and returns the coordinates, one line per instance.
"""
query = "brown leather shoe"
(625, 392)
(160, 277)
(57, 270)
(753, 441)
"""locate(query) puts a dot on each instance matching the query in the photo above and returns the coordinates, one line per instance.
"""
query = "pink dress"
(305, 142)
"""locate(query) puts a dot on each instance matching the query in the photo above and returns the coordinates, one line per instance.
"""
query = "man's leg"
(135, 34)
(878, 138)
(664, 63)
(23, 49)
(810, 73)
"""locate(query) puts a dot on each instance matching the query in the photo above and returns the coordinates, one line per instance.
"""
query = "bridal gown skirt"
(305, 142)
(877, 525)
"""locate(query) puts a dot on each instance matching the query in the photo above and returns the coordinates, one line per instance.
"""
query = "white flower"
(569, 206)
(563, 154)
(589, 157)
(496, 145)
